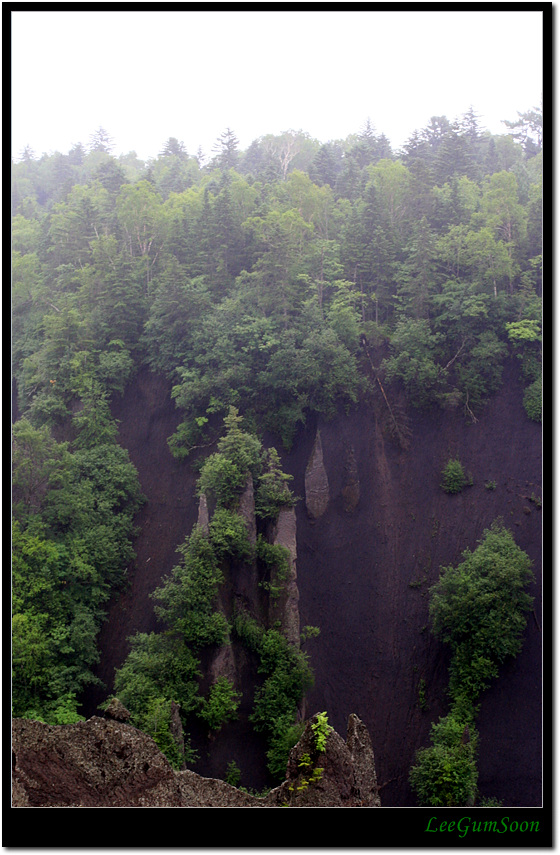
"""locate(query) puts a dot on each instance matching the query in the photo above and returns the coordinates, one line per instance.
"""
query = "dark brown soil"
(147, 417)
(364, 579)
(364, 576)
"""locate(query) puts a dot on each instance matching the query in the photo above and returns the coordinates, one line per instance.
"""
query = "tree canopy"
(263, 284)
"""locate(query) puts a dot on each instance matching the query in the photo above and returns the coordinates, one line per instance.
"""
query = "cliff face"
(108, 763)
(369, 537)
(365, 567)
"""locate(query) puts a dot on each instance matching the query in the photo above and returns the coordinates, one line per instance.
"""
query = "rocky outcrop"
(343, 775)
(203, 516)
(286, 610)
(107, 763)
(94, 763)
(316, 481)
(246, 509)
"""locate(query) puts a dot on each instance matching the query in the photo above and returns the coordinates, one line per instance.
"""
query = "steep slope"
(364, 577)
(147, 417)
(369, 545)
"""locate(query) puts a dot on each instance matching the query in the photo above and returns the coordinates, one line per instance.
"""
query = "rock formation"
(287, 609)
(343, 775)
(316, 481)
(106, 762)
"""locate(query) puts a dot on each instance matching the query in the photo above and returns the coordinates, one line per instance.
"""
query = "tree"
(221, 704)
(327, 164)
(414, 361)
(289, 150)
(478, 607)
(100, 140)
(225, 473)
(454, 478)
(174, 148)
(226, 148)
(445, 774)
(527, 130)
(142, 217)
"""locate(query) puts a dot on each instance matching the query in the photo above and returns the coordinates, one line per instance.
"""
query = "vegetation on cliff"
(258, 284)
(73, 514)
(251, 287)
(165, 667)
(478, 609)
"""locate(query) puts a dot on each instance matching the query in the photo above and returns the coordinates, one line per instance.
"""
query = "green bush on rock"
(453, 477)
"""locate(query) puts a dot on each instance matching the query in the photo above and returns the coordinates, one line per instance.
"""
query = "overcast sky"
(145, 76)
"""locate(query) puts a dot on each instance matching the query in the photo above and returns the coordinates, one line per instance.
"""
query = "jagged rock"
(361, 754)
(91, 763)
(116, 710)
(223, 664)
(100, 762)
(176, 729)
(211, 792)
(246, 509)
(351, 488)
(203, 515)
(316, 481)
(287, 609)
(343, 775)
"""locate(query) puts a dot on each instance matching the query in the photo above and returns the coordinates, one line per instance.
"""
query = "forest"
(259, 283)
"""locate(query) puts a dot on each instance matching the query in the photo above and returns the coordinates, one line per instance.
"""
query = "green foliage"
(281, 743)
(71, 544)
(445, 774)
(275, 558)
(422, 701)
(272, 493)
(186, 600)
(159, 668)
(156, 722)
(224, 474)
(221, 704)
(187, 604)
(414, 361)
(453, 477)
(229, 536)
(532, 400)
(287, 676)
(250, 290)
(321, 728)
(233, 774)
(478, 609)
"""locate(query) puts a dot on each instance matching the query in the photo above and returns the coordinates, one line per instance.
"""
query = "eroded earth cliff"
(373, 529)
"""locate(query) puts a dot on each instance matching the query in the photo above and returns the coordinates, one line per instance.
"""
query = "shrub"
(221, 704)
(321, 728)
(225, 473)
(281, 743)
(156, 722)
(233, 774)
(229, 535)
(445, 774)
(272, 493)
(453, 477)
(478, 609)
(532, 400)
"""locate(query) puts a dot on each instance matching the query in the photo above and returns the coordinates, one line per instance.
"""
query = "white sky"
(145, 76)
